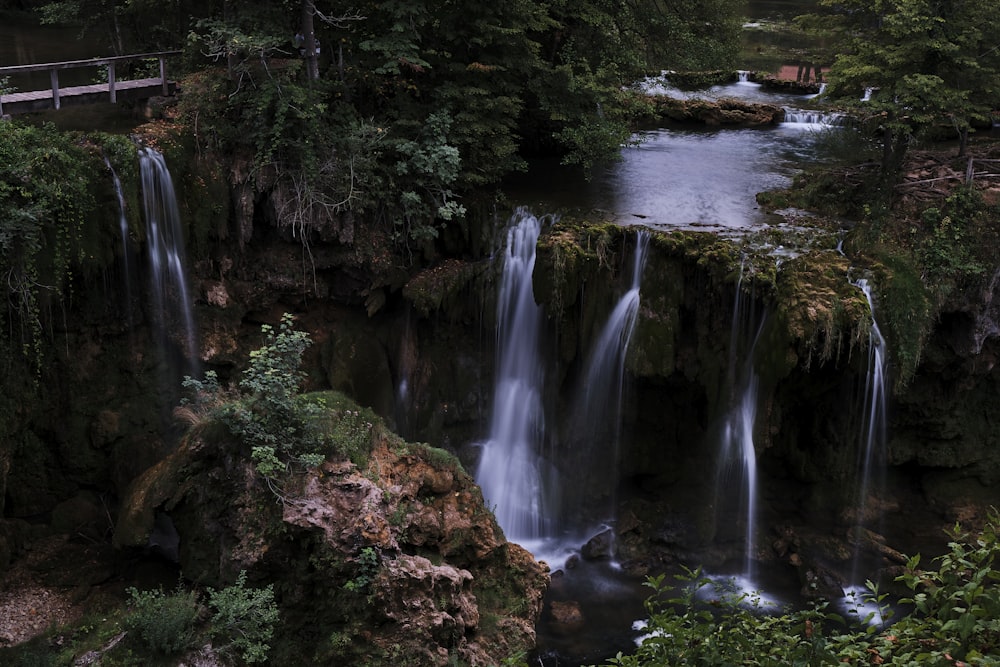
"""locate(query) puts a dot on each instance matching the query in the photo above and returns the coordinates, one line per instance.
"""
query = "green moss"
(905, 309)
(819, 307)
(441, 289)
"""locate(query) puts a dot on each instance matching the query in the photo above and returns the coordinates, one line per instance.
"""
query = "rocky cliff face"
(393, 562)
(417, 347)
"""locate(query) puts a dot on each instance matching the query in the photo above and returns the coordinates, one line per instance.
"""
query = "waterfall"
(872, 440)
(165, 242)
(742, 76)
(814, 118)
(511, 471)
(597, 414)
(126, 245)
(737, 468)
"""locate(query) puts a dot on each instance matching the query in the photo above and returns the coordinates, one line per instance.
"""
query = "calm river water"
(687, 176)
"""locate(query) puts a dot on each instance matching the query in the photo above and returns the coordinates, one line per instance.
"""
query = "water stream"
(596, 417)
(172, 313)
(871, 463)
(127, 277)
(512, 472)
(736, 477)
(685, 177)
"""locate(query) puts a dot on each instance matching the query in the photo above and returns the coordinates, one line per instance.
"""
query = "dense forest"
(388, 128)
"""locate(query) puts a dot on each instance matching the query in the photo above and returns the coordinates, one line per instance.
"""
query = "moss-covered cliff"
(394, 561)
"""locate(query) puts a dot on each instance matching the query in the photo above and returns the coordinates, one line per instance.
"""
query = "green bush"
(244, 618)
(164, 623)
(282, 427)
(953, 619)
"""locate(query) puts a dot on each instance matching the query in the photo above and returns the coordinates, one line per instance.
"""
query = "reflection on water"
(691, 177)
(706, 178)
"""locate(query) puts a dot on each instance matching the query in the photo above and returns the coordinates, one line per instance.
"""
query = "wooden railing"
(55, 94)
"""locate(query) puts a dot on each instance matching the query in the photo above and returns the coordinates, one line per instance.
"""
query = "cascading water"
(512, 473)
(737, 471)
(126, 245)
(872, 440)
(165, 241)
(870, 467)
(814, 119)
(597, 415)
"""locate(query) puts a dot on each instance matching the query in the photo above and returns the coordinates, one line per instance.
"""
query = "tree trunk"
(309, 46)
(894, 146)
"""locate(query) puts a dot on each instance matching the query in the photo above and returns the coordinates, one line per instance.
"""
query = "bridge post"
(54, 78)
(111, 83)
(163, 76)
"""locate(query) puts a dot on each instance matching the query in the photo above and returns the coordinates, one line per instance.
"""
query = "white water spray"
(165, 242)
(597, 415)
(738, 456)
(872, 446)
(511, 471)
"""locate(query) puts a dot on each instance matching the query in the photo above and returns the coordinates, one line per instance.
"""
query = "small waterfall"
(872, 453)
(742, 76)
(126, 244)
(165, 242)
(814, 118)
(597, 414)
(512, 472)
(737, 468)
(867, 96)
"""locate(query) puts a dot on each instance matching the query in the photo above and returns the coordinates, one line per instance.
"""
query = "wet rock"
(600, 546)
(403, 546)
(432, 600)
(83, 514)
(821, 582)
(566, 615)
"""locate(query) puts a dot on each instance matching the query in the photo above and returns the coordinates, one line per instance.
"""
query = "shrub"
(164, 623)
(954, 620)
(244, 618)
(281, 427)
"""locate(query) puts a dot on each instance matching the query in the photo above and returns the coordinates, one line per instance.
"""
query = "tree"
(926, 64)
(413, 104)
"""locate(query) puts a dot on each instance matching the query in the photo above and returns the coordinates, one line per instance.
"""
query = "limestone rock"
(403, 548)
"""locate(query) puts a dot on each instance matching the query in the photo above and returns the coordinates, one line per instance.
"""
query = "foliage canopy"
(925, 65)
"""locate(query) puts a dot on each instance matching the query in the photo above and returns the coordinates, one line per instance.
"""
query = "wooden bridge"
(114, 90)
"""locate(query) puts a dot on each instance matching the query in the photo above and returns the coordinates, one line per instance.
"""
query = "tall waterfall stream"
(701, 179)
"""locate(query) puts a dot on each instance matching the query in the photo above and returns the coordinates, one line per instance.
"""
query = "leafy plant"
(245, 618)
(44, 200)
(954, 619)
(352, 435)
(945, 251)
(281, 427)
(368, 564)
(165, 623)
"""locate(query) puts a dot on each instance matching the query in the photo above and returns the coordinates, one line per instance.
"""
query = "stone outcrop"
(725, 111)
(396, 557)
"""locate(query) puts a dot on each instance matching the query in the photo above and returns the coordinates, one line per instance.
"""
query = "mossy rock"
(447, 289)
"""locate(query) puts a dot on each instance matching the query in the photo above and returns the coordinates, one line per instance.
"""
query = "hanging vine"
(45, 200)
